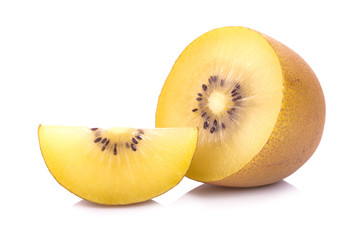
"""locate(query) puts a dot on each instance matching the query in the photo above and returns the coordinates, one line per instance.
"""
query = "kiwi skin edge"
(298, 130)
(295, 131)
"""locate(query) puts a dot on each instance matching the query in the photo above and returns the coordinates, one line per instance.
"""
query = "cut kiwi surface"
(117, 165)
(259, 107)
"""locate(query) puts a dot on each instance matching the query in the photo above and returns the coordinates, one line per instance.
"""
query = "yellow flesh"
(77, 163)
(238, 55)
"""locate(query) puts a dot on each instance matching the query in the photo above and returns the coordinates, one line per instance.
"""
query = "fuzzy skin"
(298, 129)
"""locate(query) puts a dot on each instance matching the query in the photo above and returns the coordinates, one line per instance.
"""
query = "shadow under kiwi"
(91, 205)
(212, 194)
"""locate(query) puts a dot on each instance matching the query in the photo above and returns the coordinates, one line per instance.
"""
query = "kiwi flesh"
(259, 107)
(117, 166)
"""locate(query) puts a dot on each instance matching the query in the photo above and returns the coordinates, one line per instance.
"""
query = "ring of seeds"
(219, 122)
(107, 145)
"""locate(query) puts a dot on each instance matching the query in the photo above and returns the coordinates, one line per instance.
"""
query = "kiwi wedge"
(117, 165)
(259, 107)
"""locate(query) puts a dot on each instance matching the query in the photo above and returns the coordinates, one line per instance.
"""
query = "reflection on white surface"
(90, 205)
(206, 194)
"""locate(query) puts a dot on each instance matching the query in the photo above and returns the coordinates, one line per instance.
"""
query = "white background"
(103, 63)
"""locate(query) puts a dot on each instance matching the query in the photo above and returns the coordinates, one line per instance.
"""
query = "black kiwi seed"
(236, 98)
(97, 140)
(134, 141)
(138, 137)
(133, 147)
(141, 131)
(215, 123)
(94, 129)
(115, 149)
(127, 145)
(212, 79)
(104, 146)
(210, 121)
(234, 94)
(104, 140)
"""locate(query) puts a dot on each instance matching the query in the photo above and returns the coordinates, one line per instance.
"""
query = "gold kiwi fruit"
(259, 107)
(117, 166)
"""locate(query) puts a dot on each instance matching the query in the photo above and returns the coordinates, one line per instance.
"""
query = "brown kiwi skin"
(298, 129)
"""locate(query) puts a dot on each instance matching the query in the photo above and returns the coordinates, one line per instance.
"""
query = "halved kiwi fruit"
(259, 107)
(117, 165)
